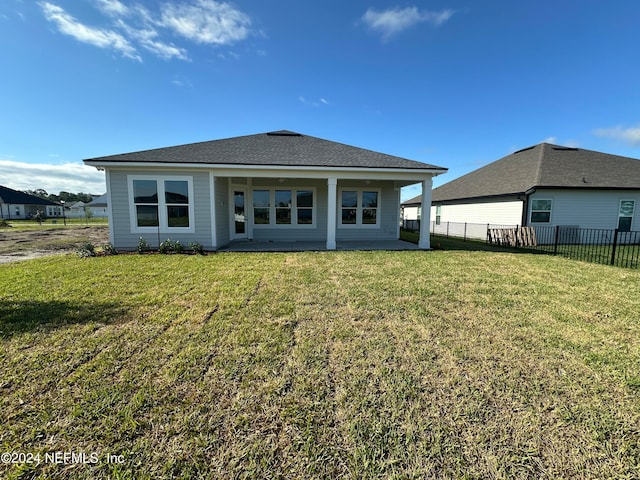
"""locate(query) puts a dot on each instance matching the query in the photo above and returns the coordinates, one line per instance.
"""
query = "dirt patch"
(25, 244)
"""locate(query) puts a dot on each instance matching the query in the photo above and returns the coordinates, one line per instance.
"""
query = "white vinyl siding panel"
(504, 212)
(411, 213)
(588, 209)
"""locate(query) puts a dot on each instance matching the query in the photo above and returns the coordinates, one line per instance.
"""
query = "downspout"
(525, 206)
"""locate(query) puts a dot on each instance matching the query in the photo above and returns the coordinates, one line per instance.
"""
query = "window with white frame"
(438, 214)
(541, 211)
(53, 211)
(359, 207)
(261, 207)
(162, 202)
(625, 215)
(283, 207)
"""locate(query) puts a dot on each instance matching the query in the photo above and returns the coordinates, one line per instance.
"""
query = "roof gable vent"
(284, 133)
(525, 149)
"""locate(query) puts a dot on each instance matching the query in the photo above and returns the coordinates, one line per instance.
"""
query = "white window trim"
(359, 208)
(294, 208)
(531, 210)
(162, 206)
(53, 211)
(633, 214)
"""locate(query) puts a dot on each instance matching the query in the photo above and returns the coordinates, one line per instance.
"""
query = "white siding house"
(99, 207)
(507, 211)
(273, 187)
(544, 185)
(76, 210)
(16, 205)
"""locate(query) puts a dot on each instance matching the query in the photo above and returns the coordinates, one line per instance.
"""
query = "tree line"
(66, 197)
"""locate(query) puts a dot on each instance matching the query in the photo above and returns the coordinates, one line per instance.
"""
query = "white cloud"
(395, 20)
(312, 103)
(147, 37)
(113, 8)
(70, 177)
(565, 143)
(206, 21)
(165, 50)
(182, 82)
(133, 26)
(629, 135)
(97, 37)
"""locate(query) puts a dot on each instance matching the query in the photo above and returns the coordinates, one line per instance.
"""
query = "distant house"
(269, 187)
(76, 210)
(543, 185)
(99, 207)
(15, 205)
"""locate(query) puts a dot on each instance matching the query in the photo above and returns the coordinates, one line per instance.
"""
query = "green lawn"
(443, 364)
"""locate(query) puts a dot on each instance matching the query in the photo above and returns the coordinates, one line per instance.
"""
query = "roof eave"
(480, 197)
(226, 166)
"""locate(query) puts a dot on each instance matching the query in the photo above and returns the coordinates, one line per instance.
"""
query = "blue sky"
(452, 83)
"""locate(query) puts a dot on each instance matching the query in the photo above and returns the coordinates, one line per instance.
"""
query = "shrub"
(166, 246)
(143, 245)
(109, 249)
(86, 250)
(177, 247)
(4, 223)
(196, 247)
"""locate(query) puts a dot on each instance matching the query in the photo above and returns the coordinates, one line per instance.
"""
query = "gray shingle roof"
(14, 197)
(282, 148)
(100, 201)
(544, 166)
(417, 200)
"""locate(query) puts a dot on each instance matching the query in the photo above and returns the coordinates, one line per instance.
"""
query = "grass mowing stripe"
(310, 365)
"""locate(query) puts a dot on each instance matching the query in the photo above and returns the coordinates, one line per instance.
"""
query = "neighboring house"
(544, 185)
(76, 210)
(15, 205)
(99, 207)
(412, 209)
(278, 186)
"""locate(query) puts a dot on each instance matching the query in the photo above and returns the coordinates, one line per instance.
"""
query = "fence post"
(465, 231)
(448, 229)
(488, 236)
(615, 243)
(555, 243)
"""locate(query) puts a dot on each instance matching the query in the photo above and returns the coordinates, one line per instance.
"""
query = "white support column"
(332, 183)
(425, 217)
(112, 238)
(248, 203)
(213, 206)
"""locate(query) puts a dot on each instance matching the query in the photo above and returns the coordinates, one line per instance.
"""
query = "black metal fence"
(466, 231)
(610, 247)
